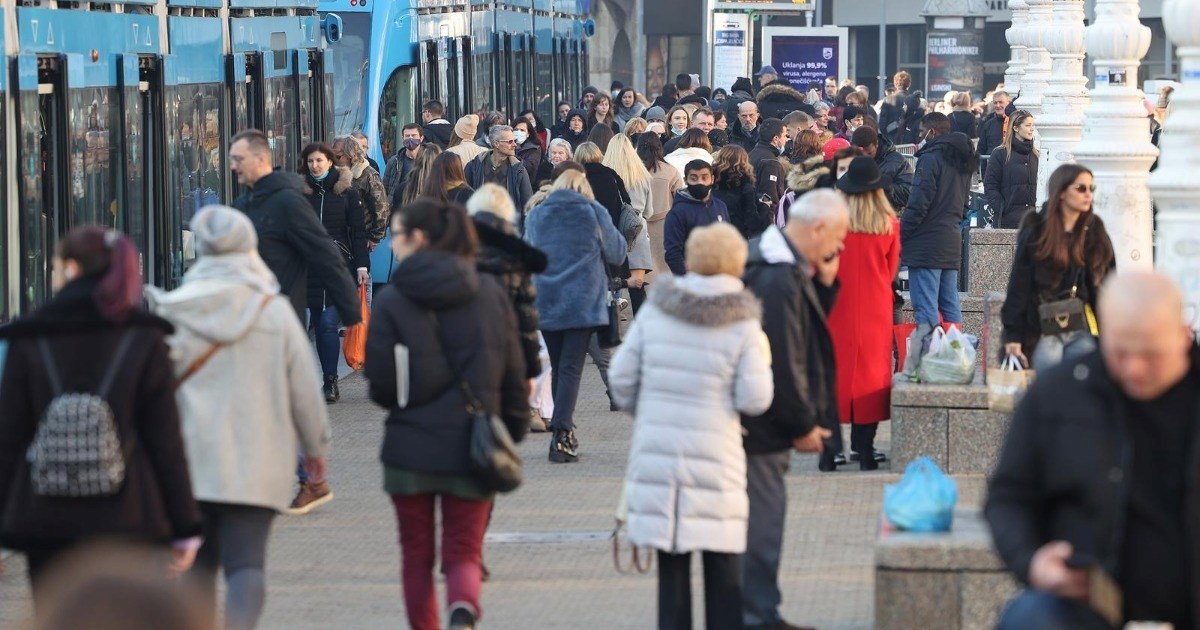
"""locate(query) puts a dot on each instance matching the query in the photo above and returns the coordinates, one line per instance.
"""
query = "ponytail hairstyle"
(446, 226)
(110, 257)
(1010, 132)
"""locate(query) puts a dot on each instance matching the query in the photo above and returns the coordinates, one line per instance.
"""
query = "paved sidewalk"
(547, 548)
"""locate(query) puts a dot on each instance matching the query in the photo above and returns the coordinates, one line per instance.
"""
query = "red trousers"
(463, 524)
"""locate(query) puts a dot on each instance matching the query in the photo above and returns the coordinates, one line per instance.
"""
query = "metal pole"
(882, 48)
(706, 76)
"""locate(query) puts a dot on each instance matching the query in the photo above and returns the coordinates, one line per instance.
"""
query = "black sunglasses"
(1082, 188)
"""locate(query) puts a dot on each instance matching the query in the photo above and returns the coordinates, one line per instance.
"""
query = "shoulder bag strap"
(115, 365)
(51, 369)
(203, 359)
(473, 404)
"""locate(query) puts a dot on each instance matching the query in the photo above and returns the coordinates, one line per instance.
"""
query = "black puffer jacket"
(155, 502)
(890, 114)
(745, 213)
(512, 261)
(930, 226)
(777, 100)
(610, 192)
(895, 166)
(965, 123)
(340, 209)
(295, 245)
(991, 135)
(443, 310)
(1010, 183)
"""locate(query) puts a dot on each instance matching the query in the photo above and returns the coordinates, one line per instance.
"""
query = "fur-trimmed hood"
(340, 178)
(806, 175)
(357, 170)
(779, 92)
(706, 300)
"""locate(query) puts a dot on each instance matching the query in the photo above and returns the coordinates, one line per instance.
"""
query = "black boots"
(332, 394)
(564, 447)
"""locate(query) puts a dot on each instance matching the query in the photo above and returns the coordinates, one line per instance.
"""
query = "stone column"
(1066, 95)
(1176, 184)
(1020, 55)
(1116, 132)
(1037, 69)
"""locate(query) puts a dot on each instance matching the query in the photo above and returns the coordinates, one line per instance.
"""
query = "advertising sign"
(806, 55)
(955, 63)
(731, 49)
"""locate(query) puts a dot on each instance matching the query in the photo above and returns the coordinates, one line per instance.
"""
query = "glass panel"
(95, 147)
(483, 82)
(544, 86)
(351, 60)
(305, 100)
(197, 169)
(39, 192)
(135, 172)
(279, 94)
(395, 107)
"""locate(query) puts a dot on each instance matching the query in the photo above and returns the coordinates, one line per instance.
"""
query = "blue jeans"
(1039, 609)
(1054, 349)
(329, 345)
(933, 291)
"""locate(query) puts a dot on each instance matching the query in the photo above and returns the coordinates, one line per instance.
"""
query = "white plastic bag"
(950, 359)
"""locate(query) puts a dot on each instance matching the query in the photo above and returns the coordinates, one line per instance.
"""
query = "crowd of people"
(751, 240)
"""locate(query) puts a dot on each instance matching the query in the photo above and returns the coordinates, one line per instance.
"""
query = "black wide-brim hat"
(862, 176)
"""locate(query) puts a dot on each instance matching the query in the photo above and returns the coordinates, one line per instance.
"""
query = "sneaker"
(840, 459)
(311, 495)
(563, 447)
(878, 455)
(462, 616)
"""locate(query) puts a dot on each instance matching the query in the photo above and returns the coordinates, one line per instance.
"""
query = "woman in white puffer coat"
(694, 360)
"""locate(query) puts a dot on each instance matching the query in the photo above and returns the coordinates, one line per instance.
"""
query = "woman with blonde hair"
(693, 361)
(860, 322)
(962, 119)
(1010, 181)
(623, 160)
(635, 127)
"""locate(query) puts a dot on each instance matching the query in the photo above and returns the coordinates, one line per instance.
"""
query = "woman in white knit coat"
(694, 360)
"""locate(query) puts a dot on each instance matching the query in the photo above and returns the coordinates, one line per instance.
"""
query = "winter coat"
(242, 440)
(376, 209)
(1034, 282)
(740, 92)
(296, 246)
(808, 175)
(965, 123)
(565, 132)
(745, 213)
(155, 502)
(625, 115)
(895, 166)
(931, 224)
(460, 194)
(512, 261)
(991, 134)
(518, 186)
(340, 209)
(395, 174)
(642, 200)
(1066, 472)
(531, 156)
(777, 100)
(694, 358)
(664, 183)
(890, 114)
(439, 132)
(687, 214)
(680, 158)
(580, 241)
(466, 151)
(739, 136)
(861, 326)
(1010, 183)
(443, 311)
(611, 193)
(770, 171)
(795, 309)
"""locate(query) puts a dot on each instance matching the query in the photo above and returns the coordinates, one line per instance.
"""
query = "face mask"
(521, 136)
(678, 132)
(698, 191)
(411, 143)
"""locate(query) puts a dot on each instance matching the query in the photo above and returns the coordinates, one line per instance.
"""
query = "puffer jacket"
(931, 224)
(512, 261)
(894, 165)
(777, 100)
(694, 358)
(745, 213)
(1010, 183)
(340, 209)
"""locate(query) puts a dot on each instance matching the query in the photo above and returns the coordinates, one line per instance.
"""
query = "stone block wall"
(949, 423)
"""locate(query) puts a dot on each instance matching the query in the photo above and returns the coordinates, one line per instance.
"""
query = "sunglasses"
(1083, 188)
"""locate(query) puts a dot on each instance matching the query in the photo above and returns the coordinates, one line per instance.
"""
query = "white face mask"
(521, 136)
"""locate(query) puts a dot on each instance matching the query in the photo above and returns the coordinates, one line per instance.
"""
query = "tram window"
(38, 157)
(395, 109)
(481, 98)
(543, 86)
(94, 150)
(197, 166)
(279, 95)
(279, 44)
(351, 62)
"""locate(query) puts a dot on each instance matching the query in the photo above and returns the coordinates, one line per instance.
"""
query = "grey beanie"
(223, 230)
(655, 113)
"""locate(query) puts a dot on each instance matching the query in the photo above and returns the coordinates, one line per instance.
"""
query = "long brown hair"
(445, 175)
(422, 167)
(1054, 245)
(731, 167)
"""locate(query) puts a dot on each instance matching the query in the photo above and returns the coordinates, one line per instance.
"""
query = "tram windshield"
(351, 58)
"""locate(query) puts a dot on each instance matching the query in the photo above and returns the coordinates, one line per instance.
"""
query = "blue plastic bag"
(923, 500)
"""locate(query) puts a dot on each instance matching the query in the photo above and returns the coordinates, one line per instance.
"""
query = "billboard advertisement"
(806, 55)
(955, 63)
(731, 48)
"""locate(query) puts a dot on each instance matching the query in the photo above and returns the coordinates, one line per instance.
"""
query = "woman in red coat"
(861, 320)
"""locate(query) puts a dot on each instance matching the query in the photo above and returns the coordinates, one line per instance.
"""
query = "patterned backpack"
(76, 451)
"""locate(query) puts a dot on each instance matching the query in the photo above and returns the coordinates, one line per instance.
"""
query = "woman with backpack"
(92, 344)
(231, 329)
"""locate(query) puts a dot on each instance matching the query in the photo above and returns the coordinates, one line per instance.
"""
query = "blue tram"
(119, 113)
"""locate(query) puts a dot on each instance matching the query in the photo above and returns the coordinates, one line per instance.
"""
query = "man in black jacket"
(437, 129)
(501, 166)
(931, 228)
(1098, 470)
(991, 130)
(291, 239)
(891, 163)
(794, 272)
(769, 170)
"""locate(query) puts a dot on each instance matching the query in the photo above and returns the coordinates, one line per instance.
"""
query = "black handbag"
(1064, 316)
(609, 335)
(491, 450)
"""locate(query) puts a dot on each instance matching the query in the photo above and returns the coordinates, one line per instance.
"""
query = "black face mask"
(698, 191)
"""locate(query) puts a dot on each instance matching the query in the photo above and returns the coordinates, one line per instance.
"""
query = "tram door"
(281, 118)
(244, 81)
(42, 158)
(142, 110)
(429, 75)
(320, 88)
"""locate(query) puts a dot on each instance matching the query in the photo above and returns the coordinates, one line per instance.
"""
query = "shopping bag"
(950, 359)
(923, 500)
(900, 335)
(1007, 384)
(354, 345)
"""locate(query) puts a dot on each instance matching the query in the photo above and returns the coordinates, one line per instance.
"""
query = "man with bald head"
(745, 132)
(1099, 469)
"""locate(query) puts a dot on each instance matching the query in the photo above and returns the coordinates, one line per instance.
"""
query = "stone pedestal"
(1061, 122)
(1116, 132)
(1175, 184)
(949, 423)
